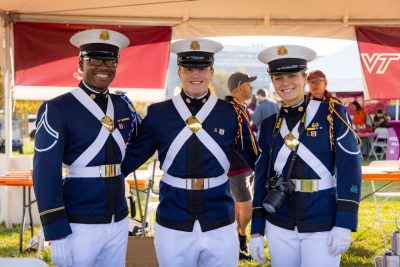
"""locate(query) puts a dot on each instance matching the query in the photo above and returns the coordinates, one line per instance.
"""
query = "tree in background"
(219, 83)
(22, 109)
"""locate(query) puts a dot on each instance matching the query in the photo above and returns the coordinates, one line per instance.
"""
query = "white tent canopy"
(342, 69)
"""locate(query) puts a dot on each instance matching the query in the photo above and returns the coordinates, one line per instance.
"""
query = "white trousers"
(215, 248)
(99, 245)
(293, 249)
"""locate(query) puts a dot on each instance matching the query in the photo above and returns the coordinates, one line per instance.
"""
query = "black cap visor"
(286, 65)
(97, 50)
(195, 59)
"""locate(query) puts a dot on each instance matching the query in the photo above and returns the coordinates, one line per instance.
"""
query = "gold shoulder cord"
(241, 113)
(331, 129)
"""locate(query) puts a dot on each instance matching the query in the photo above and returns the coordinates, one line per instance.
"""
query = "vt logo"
(378, 62)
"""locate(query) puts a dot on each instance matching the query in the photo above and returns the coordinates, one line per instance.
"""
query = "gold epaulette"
(335, 100)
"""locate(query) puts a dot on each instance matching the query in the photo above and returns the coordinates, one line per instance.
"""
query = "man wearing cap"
(84, 213)
(264, 109)
(307, 181)
(194, 133)
(240, 174)
(317, 83)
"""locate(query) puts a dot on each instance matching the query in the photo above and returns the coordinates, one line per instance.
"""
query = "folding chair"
(19, 262)
(378, 146)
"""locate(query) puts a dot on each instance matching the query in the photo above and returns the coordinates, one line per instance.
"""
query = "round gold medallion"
(188, 100)
(92, 96)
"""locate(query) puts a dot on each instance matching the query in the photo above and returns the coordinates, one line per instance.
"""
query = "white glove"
(61, 252)
(257, 249)
(338, 240)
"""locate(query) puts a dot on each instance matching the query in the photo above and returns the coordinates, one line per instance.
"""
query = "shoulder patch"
(46, 137)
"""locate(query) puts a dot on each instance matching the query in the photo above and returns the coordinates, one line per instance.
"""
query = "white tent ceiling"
(193, 18)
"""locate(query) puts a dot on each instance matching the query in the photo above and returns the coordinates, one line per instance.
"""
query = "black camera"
(278, 186)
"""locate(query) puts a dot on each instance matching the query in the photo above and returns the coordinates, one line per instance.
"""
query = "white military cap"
(195, 53)
(282, 59)
(99, 42)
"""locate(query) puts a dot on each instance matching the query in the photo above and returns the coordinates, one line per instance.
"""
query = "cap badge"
(282, 50)
(195, 45)
(104, 35)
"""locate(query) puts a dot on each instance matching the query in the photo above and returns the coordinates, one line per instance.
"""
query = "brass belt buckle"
(110, 170)
(197, 183)
(307, 186)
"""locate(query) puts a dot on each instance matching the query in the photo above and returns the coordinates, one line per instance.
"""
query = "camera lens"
(273, 200)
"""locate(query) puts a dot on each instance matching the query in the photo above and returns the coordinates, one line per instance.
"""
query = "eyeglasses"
(112, 63)
(315, 82)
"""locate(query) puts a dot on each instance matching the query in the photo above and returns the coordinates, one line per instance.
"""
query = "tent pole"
(8, 84)
(8, 77)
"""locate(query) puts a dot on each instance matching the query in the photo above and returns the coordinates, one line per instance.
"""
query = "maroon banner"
(380, 57)
(45, 57)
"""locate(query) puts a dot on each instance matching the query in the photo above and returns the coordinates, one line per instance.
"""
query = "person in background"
(84, 214)
(360, 117)
(194, 134)
(317, 83)
(250, 110)
(240, 174)
(307, 179)
(381, 120)
(264, 109)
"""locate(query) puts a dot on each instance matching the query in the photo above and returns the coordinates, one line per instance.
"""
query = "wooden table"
(23, 179)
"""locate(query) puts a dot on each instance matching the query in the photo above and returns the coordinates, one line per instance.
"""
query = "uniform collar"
(191, 100)
(93, 94)
(297, 108)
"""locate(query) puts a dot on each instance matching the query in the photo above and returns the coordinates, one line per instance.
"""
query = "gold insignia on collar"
(104, 35)
(300, 109)
(193, 124)
(108, 123)
(291, 142)
(282, 50)
(286, 110)
(195, 45)
(188, 100)
(315, 124)
(92, 96)
(204, 100)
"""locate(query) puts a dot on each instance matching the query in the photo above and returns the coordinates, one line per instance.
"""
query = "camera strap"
(277, 128)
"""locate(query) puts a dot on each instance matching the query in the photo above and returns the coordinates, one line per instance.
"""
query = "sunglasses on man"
(110, 62)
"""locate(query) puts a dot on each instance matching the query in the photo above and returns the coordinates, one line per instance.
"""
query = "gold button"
(204, 100)
(92, 96)
(286, 110)
(300, 109)
(188, 100)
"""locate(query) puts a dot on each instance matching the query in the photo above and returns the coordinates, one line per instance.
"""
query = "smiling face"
(290, 87)
(97, 77)
(194, 81)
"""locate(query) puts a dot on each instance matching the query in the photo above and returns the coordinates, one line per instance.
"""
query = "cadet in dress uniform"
(84, 214)
(307, 179)
(194, 134)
